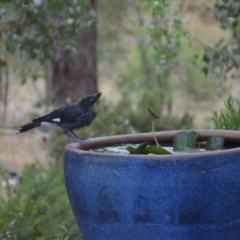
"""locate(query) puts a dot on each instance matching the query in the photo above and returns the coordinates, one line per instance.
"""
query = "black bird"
(74, 116)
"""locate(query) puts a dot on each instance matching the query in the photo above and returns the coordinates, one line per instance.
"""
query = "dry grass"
(16, 150)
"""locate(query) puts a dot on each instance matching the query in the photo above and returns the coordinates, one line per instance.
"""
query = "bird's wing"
(51, 117)
(70, 114)
(80, 119)
(67, 114)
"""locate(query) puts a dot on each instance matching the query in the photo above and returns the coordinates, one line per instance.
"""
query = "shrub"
(229, 117)
(40, 208)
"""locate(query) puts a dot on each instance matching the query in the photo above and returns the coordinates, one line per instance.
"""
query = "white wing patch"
(56, 120)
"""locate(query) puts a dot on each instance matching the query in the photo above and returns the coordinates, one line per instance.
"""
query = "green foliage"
(167, 31)
(229, 117)
(126, 117)
(139, 94)
(147, 79)
(40, 28)
(223, 55)
(193, 82)
(40, 208)
(112, 16)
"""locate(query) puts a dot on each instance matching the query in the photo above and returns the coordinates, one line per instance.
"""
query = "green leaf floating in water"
(185, 141)
(140, 148)
(215, 143)
(156, 150)
(145, 148)
(131, 150)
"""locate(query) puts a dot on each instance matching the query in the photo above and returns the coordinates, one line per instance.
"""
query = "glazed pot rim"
(162, 136)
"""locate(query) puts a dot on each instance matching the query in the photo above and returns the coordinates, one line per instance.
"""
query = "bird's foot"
(80, 140)
(83, 138)
(75, 138)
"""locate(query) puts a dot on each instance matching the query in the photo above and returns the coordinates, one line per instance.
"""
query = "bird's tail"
(28, 127)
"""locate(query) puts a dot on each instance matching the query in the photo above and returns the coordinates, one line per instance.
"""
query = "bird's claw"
(80, 140)
(83, 138)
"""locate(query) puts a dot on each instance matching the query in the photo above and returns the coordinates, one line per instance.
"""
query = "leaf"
(184, 140)
(38, 3)
(156, 150)
(206, 57)
(131, 150)
(205, 70)
(215, 143)
(154, 115)
(19, 39)
(70, 21)
(92, 13)
(140, 148)
(35, 76)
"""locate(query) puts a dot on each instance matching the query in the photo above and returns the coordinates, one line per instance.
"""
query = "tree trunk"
(74, 73)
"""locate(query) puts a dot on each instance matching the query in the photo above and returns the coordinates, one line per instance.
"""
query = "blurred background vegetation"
(179, 58)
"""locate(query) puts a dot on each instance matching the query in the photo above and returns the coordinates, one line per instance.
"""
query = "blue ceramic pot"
(143, 197)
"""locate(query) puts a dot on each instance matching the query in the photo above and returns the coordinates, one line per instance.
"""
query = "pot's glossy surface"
(127, 197)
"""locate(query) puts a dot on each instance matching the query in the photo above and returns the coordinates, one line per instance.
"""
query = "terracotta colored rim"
(164, 136)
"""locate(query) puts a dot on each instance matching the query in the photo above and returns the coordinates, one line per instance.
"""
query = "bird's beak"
(94, 97)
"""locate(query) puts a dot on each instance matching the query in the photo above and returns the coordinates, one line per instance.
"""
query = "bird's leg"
(73, 136)
(84, 138)
(69, 135)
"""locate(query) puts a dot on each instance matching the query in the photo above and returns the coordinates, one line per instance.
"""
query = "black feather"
(28, 127)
